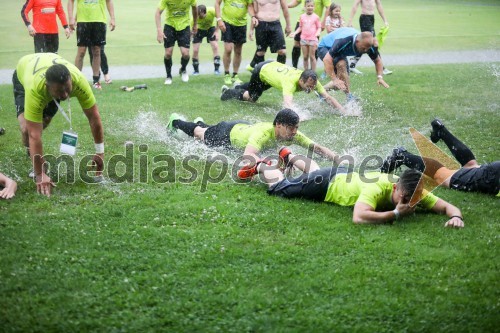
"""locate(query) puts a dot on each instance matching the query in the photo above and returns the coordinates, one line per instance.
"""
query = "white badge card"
(68, 143)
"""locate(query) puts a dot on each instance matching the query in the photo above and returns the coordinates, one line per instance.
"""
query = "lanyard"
(68, 118)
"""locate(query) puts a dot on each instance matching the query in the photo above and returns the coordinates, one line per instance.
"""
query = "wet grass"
(192, 255)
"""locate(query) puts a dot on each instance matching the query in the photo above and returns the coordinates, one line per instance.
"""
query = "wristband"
(218, 19)
(396, 213)
(458, 217)
(380, 76)
(99, 148)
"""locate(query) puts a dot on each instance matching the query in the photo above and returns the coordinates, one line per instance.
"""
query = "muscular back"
(267, 10)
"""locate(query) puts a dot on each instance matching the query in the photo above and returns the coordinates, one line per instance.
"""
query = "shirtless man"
(268, 30)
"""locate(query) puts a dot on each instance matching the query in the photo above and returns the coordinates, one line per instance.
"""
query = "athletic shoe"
(184, 75)
(247, 172)
(216, 72)
(284, 153)
(352, 98)
(236, 80)
(323, 75)
(387, 71)
(321, 98)
(168, 80)
(249, 68)
(97, 86)
(393, 161)
(31, 174)
(196, 73)
(355, 71)
(227, 79)
(170, 126)
(2, 131)
(436, 126)
(198, 120)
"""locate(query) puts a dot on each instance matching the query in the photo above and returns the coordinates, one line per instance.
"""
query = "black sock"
(216, 62)
(196, 65)
(96, 78)
(226, 72)
(256, 59)
(168, 66)
(413, 161)
(295, 56)
(461, 152)
(184, 62)
(185, 126)
(281, 58)
(235, 73)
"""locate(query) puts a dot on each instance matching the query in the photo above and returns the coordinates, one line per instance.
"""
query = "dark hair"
(286, 117)
(332, 7)
(308, 74)
(57, 73)
(408, 182)
(202, 9)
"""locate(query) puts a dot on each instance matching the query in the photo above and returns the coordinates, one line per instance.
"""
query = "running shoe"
(249, 68)
(355, 71)
(170, 126)
(352, 98)
(437, 125)
(387, 71)
(394, 161)
(195, 73)
(216, 72)
(97, 86)
(227, 80)
(168, 80)
(198, 120)
(236, 80)
(184, 75)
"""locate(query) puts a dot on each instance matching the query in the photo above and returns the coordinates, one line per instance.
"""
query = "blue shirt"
(329, 39)
(346, 47)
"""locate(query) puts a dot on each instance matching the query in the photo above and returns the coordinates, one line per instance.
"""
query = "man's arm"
(366, 214)
(98, 133)
(332, 101)
(43, 182)
(380, 9)
(251, 11)
(111, 11)
(286, 14)
(194, 11)
(293, 4)
(325, 152)
(455, 215)
(62, 17)
(159, 31)
(250, 155)
(218, 16)
(379, 68)
(323, 21)
(71, 18)
(353, 12)
(288, 102)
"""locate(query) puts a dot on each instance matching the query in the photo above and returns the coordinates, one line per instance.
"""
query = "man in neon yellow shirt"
(91, 31)
(39, 81)
(288, 79)
(232, 21)
(176, 28)
(377, 198)
(206, 29)
(251, 138)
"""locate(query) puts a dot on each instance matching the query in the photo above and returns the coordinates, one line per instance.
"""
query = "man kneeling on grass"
(375, 198)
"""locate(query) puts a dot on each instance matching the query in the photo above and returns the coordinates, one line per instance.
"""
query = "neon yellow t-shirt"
(262, 136)
(208, 21)
(347, 189)
(31, 73)
(177, 12)
(234, 12)
(319, 5)
(283, 77)
(91, 11)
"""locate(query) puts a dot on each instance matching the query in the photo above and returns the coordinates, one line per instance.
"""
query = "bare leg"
(226, 59)
(80, 55)
(237, 57)
(343, 75)
(96, 60)
(305, 53)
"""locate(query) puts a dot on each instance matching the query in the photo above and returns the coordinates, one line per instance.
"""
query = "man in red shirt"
(44, 27)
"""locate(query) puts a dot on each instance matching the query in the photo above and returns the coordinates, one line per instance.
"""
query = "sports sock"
(216, 62)
(184, 62)
(459, 150)
(196, 65)
(295, 56)
(95, 78)
(235, 73)
(185, 126)
(226, 72)
(168, 66)
(413, 161)
(256, 59)
(281, 58)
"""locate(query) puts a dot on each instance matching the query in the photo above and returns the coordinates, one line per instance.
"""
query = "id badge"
(68, 143)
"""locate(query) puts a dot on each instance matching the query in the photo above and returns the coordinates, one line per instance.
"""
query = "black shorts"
(46, 43)
(367, 23)
(183, 37)
(219, 135)
(209, 34)
(255, 86)
(90, 34)
(297, 36)
(485, 179)
(269, 34)
(311, 186)
(49, 111)
(235, 34)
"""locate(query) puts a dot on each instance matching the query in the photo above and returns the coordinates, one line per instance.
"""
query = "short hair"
(408, 182)
(286, 117)
(202, 9)
(57, 73)
(308, 74)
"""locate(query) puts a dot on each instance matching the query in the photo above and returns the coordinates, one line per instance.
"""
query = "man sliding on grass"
(252, 138)
(375, 198)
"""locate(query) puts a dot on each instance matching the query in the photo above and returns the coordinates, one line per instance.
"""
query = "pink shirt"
(310, 25)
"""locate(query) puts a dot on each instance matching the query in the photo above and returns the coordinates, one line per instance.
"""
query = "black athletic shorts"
(367, 23)
(183, 37)
(219, 135)
(311, 186)
(269, 34)
(297, 36)
(90, 34)
(485, 179)
(46, 43)
(209, 34)
(49, 111)
(235, 34)
(255, 87)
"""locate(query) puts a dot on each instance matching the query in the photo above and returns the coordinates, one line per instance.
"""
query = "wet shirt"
(31, 73)
(375, 190)
(177, 12)
(283, 77)
(44, 15)
(91, 11)
(208, 21)
(234, 12)
(329, 39)
(262, 136)
(346, 47)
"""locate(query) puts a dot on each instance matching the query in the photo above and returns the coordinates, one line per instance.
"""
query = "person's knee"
(341, 65)
(282, 52)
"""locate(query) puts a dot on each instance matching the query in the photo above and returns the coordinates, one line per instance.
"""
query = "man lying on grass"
(375, 198)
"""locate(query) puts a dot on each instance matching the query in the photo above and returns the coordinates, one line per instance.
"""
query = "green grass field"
(195, 251)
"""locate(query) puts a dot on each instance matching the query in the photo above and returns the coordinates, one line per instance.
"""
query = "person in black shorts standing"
(208, 30)
(91, 31)
(268, 30)
(472, 177)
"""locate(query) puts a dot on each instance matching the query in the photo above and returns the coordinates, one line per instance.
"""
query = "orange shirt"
(44, 15)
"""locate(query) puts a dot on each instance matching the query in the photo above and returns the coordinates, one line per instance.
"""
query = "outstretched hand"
(44, 184)
(454, 222)
(381, 82)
